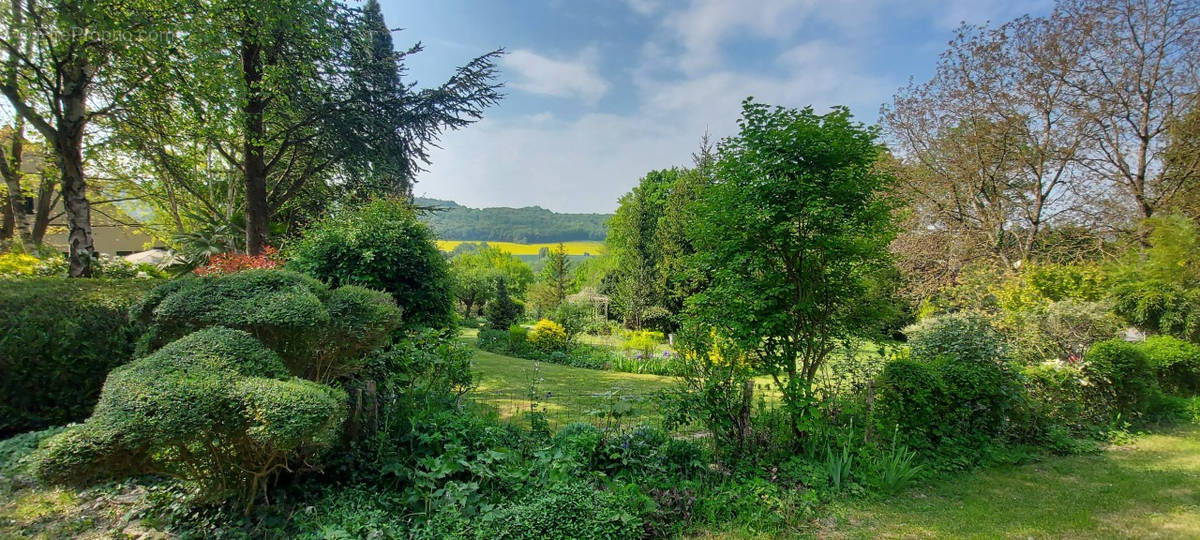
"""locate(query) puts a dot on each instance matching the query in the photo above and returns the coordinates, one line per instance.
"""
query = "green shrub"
(563, 510)
(573, 317)
(948, 405)
(1061, 395)
(382, 246)
(215, 408)
(321, 334)
(58, 340)
(1159, 306)
(1123, 374)
(502, 312)
(643, 342)
(518, 338)
(963, 337)
(548, 336)
(1175, 362)
(492, 340)
(908, 401)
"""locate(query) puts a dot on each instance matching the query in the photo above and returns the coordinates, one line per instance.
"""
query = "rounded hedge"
(58, 340)
(215, 408)
(381, 246)
(319, 333)
(1175, 362)
(1123, 373)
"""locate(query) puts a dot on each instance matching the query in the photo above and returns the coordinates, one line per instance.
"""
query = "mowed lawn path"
(1150, 489)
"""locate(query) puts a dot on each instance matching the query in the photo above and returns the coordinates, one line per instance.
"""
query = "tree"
(502, 312)
(59, 55)
(988, 147)
(795, 225)
(556, 276)
(1138, 75)
(632, 241)
(317, 104)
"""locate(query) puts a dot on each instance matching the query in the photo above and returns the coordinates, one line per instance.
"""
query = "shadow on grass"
(1150, 489)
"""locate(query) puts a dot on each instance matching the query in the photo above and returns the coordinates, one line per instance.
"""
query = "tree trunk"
(68, 147)
(11, 170)
(255, 168)
(6, 222)
(41, 212)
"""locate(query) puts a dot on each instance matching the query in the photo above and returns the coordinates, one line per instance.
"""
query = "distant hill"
(528, 225)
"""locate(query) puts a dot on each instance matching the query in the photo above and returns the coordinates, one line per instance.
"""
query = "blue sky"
(600, 92)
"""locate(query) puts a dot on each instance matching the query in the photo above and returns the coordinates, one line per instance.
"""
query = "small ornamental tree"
(502, 312)
(791, 231)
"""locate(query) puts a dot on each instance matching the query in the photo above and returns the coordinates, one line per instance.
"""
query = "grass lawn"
(1150, 489)
(564, 393)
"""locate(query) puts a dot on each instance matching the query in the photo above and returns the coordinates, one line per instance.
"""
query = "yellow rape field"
(590, 247)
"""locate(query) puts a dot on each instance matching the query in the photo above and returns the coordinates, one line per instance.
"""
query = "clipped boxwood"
(59, 338)
(215, 408)
(320, 334)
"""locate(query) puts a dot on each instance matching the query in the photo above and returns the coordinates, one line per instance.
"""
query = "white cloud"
(683, 86)
(559, 78)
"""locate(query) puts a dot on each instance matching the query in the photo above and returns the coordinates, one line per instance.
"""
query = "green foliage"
(321, 334)
(528, 225)
(573, 317)
(518, 337)
(15, 264)
(965, 337)
(1124, 375)
(1175, 362)
(380, 245)
(478, 275)
(949, 405)
(548, 336)
(566, 510)
(215, 408)
(1158, 288)
(792, 233)
(502, 312)
(58, 340)
(1062, 395)
(643, 342)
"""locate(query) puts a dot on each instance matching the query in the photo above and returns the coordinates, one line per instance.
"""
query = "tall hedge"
(59, 338)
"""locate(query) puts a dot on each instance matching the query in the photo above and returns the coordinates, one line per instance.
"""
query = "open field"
(573, 248)
(1150, 489)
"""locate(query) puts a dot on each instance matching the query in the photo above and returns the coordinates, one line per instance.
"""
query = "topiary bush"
(1123, 375)
(320, 334)
(58, 340)
(216, 408)
(548, 336)
(382, 246)
(1176, 363)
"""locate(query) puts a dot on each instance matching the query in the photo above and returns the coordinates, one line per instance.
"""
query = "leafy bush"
(948, 405)
(58, 340)
(321, 334)
(1123, 374)
(17, 264)
(1160, 306)
(643, 342)
(216, 408)
(964, 337)
(1061, 395)
(564, 510)
(231, 263)
(502, 312)
(518, 338)
(382, 246)
(1175, 362)
(548, 336)
(573, 316)
(492, 340)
